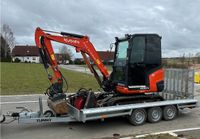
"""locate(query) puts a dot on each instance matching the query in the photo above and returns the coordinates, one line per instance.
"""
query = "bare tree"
(8, 35)
(182, 58)
(198, 57)
(5, 50)
(66, 53)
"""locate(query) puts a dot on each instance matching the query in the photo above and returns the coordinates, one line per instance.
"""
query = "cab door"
(119, 73)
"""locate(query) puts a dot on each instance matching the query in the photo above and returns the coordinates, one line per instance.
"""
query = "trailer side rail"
(120, 110)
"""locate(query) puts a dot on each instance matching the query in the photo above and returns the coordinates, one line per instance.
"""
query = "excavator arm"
(81, 43)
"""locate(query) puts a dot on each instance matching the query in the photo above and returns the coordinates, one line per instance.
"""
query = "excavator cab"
(137, 64)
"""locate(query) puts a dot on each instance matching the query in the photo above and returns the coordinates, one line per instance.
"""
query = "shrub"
(17, 60)
(70, 62)
(8, 59)
(78, 62)
(176, 65)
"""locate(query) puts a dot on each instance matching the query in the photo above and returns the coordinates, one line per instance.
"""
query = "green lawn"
(24, 78)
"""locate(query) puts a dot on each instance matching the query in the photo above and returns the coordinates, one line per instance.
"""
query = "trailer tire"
(138, 117)
(169, 112)
(3, 118)
(154, 114)
(48, 113)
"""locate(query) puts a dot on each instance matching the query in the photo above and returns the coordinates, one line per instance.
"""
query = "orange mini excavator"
(137, 73)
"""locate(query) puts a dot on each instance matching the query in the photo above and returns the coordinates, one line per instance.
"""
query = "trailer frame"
(101, 113)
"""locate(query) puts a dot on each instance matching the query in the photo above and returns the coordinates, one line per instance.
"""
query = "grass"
(24, 78)
(160, 136)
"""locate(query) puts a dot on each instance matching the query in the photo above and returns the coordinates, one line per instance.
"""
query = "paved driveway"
(76, 68)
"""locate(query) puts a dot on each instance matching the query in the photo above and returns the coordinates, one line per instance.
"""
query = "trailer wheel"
(154, 114)
(48, 113)
(138, 117)
(169, 112)
(2, 119)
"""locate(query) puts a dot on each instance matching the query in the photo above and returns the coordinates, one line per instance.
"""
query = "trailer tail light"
(79, 102)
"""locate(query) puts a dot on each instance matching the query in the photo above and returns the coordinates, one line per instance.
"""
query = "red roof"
(25, 50)
(106, 55)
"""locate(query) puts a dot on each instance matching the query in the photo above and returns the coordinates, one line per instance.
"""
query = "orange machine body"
(154, 78)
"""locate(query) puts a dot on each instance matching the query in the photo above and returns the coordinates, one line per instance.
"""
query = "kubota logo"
(71, 41)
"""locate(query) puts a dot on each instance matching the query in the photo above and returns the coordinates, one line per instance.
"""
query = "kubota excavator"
(137, 73)
(131, 90)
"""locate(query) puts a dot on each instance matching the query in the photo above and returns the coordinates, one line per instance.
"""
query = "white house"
(26, 53)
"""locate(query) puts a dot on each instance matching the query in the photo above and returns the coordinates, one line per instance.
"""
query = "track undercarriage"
(88, 99)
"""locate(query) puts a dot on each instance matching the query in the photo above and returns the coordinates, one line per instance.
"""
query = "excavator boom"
(81, 43)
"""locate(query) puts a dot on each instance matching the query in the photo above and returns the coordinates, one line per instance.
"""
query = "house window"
(27, 57)
(33, 58)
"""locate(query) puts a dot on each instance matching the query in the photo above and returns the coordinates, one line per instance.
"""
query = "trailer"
(178, 95)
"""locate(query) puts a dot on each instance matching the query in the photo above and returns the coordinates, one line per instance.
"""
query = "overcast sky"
(177, 21)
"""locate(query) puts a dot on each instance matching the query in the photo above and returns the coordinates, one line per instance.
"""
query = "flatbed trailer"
(101, 112)
(178, 95)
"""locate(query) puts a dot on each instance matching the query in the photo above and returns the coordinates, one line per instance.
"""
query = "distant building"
(61, 58)
(107, 57)
(26, 53)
